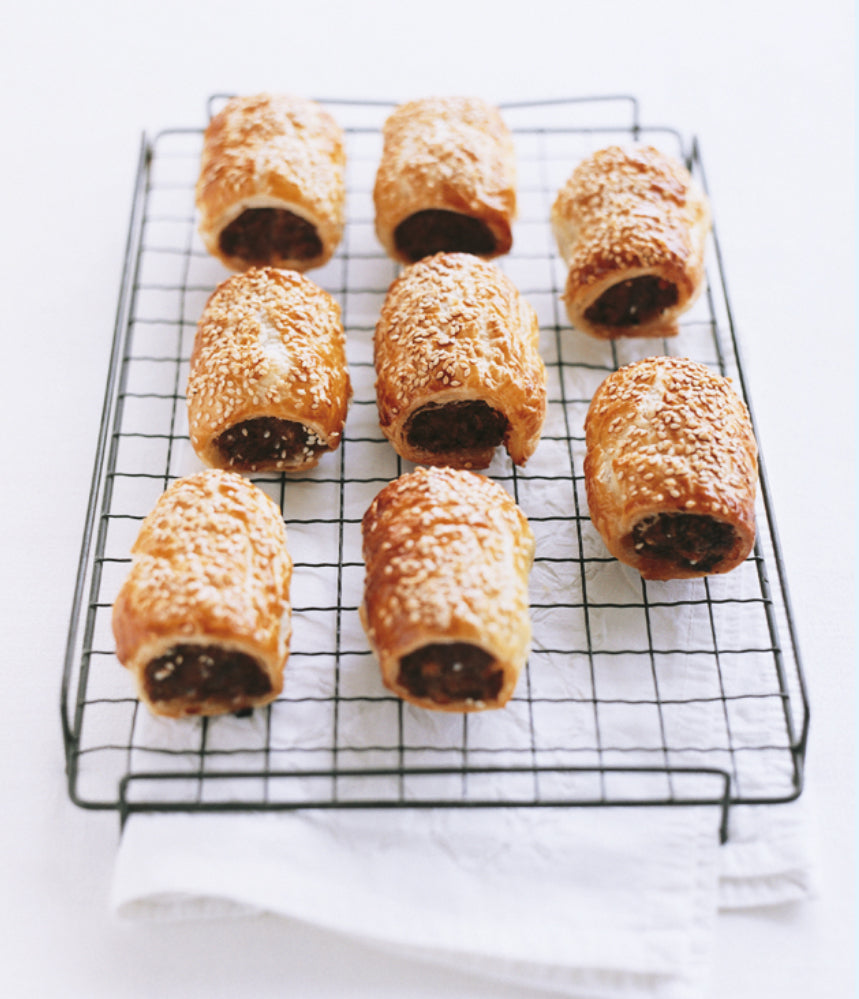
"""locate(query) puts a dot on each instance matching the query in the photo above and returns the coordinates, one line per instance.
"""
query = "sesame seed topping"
(210, 560)
(447, 554)
(454, 327)
(269, 343)
(623, 211)
(259, 145)
(680, 440)
(453, 153)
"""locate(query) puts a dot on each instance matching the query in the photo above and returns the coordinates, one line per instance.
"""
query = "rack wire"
(635, 693)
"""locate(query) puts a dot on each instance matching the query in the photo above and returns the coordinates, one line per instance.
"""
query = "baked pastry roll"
(631, 226)
(458, 368)
(446, 180)
(202, 620)
(448, 553)
(271, 188)
(671, 469)
(269, 386)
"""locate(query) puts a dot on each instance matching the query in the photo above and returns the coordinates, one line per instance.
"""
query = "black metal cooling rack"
(634, 694)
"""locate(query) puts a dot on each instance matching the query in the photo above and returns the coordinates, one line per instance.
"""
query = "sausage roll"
(271, 188)
(671, 469)
(631, 227)
(448, 553)
(269, 386)
(458, 369)
(202, 620)
(446, 180)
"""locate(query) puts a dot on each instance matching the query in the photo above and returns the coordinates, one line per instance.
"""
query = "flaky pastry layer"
(450, 154)
(272, 151)
(210, 567)
(447, 553)
(454, 328)
(666, 437)
(624, 216)
(269, 344)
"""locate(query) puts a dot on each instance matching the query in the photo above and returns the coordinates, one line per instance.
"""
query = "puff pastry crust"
(671, 469)
(458, 368)
(202, 620)
(631, 226)
(446, 180)
(448, 553)
(271, 188)
(269, 386)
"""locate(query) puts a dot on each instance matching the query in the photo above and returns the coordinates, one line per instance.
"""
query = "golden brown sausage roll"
(445, 608)
(446, 180)
(671, 469)
(269, 386)
(631, 227)
(458, 369)
(271, 188)
(203, 618)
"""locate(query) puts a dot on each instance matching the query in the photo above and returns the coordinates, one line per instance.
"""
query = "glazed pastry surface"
(631, 226)
(458, 368)
(448, 553)
(202, 620)
(671, 469)
(271, 189)
(446, 181)
(269, 386)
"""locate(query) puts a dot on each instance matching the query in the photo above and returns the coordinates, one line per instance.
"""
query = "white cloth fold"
(767, 860)
(608, 903)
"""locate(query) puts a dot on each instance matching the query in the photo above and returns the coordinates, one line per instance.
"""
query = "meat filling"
(633, 302)
(203, 672)
(265, 235)
(267, 442)
(691, 540)
(466, 425)
(451, 672)
(436, 230)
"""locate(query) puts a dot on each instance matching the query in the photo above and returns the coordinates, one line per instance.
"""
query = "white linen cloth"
(609, 903)
(614, 903)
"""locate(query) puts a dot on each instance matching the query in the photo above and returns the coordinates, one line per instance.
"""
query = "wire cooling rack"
(678, 693)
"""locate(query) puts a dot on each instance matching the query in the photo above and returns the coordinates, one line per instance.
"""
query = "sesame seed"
(453, 321)
(473, 541)
(263, 336)
(629, 209)
(685, 435)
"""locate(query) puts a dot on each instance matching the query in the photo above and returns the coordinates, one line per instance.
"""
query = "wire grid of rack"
(635, 693)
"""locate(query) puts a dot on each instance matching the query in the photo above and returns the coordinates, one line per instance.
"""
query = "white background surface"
(767, 87)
